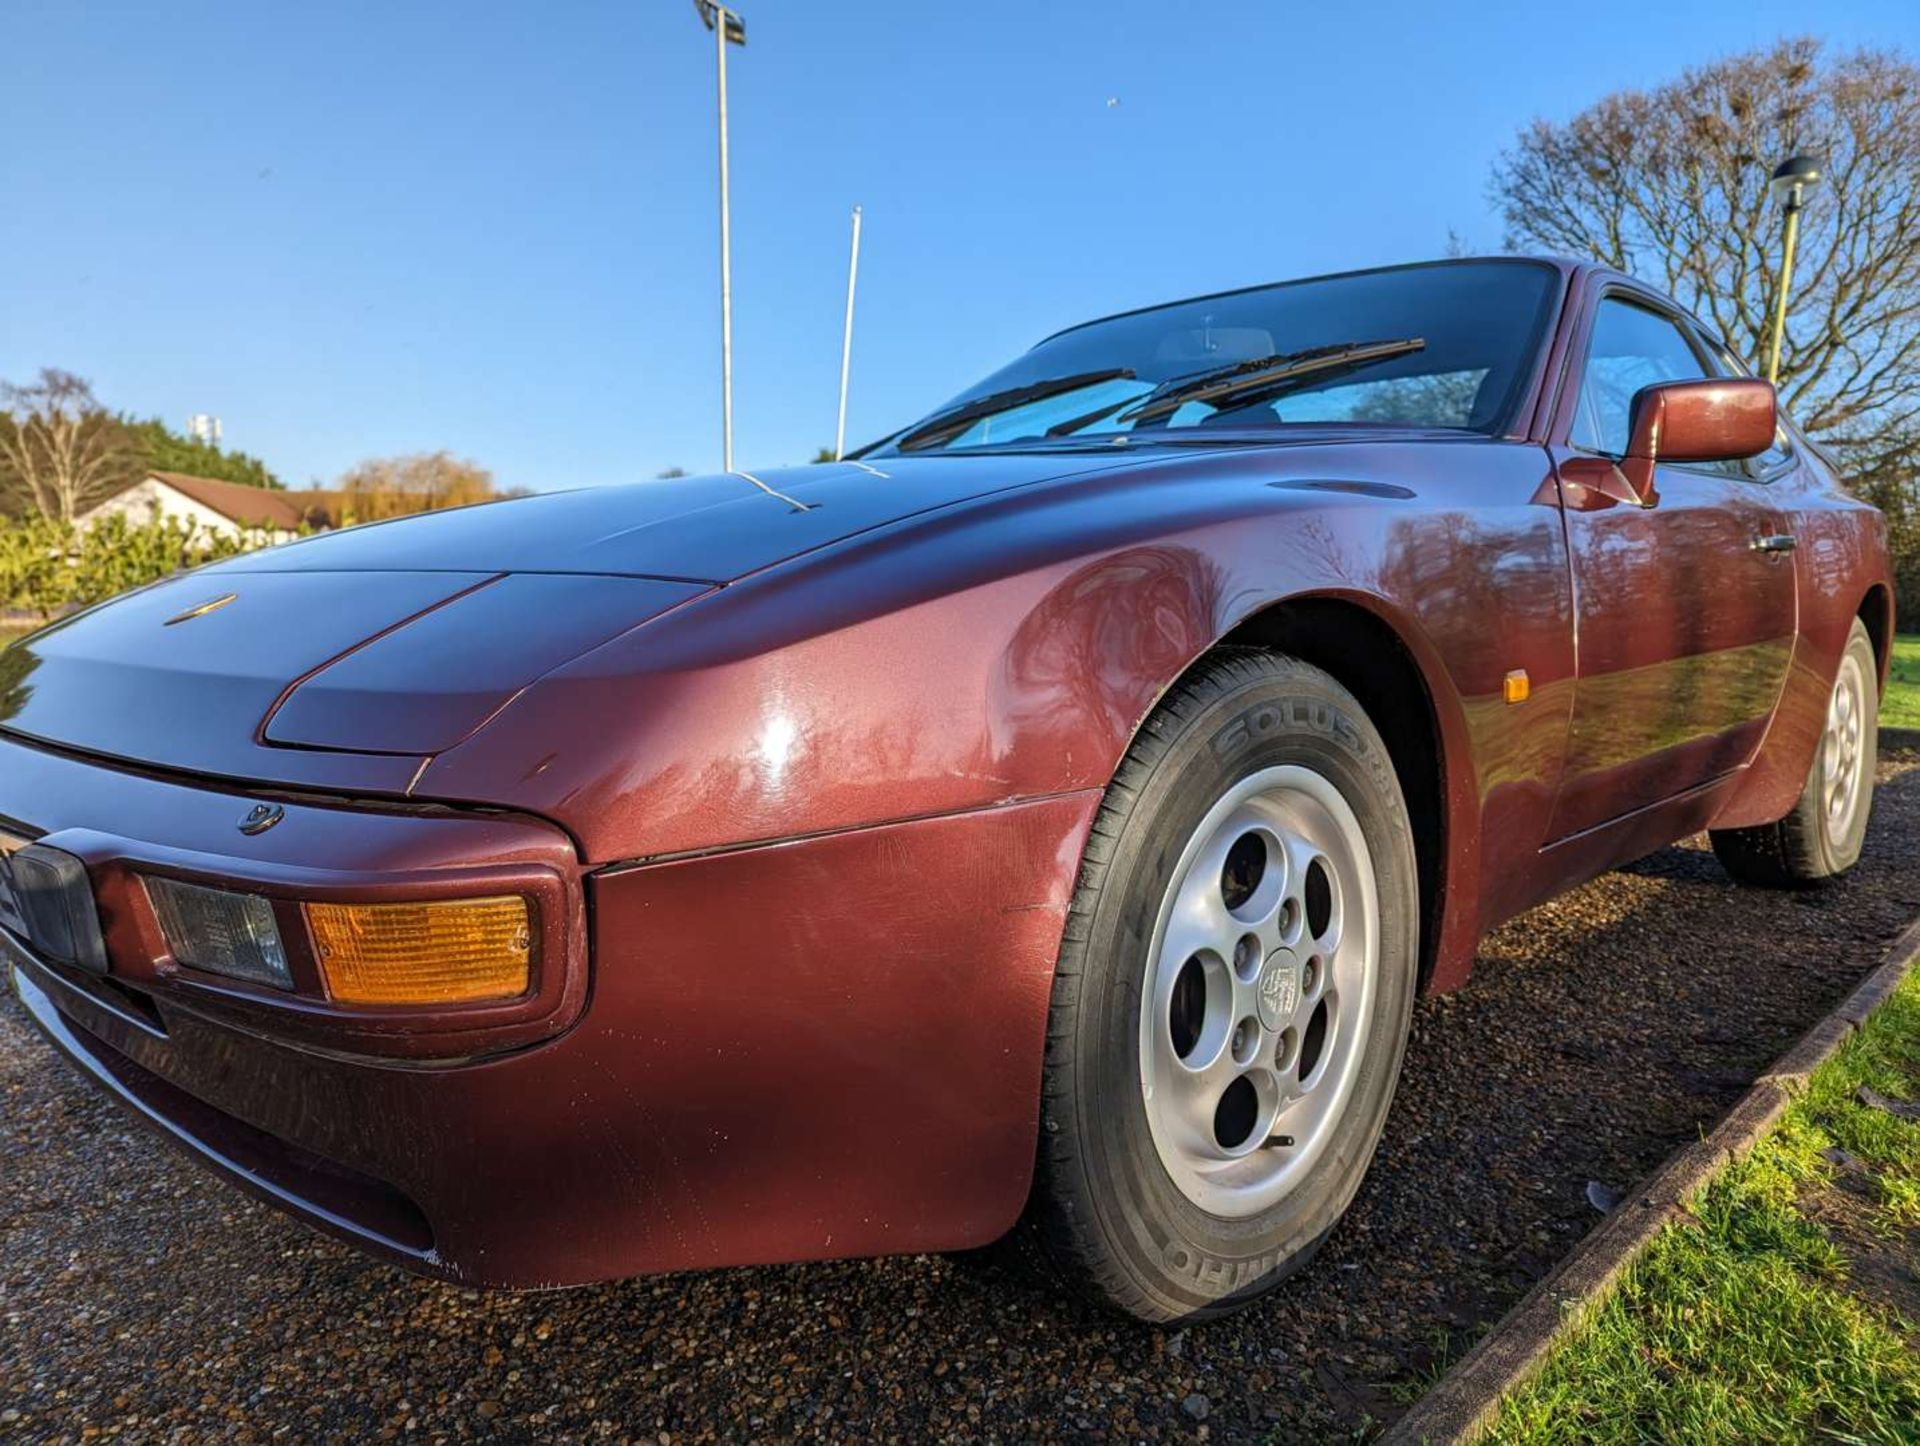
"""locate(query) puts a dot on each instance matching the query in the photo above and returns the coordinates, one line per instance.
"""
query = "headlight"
(454, 952)
(221, 932)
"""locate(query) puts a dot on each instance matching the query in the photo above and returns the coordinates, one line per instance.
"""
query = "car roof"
(1567, 266)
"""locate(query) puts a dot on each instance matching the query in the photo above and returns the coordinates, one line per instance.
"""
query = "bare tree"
(423, 482)
(60, 449)
(1671, 184)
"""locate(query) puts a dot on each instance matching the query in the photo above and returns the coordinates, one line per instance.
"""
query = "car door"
(1684, 611)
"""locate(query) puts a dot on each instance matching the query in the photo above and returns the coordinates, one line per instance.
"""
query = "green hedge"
(47, 567)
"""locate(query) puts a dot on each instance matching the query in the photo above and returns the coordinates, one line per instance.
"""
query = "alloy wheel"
(1843, 756)
(1259, 989)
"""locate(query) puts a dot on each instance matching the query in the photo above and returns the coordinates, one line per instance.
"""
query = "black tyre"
(1233, 994)
(1821, 838)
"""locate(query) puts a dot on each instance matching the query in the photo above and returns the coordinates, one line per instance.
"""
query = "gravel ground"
(141, 1297)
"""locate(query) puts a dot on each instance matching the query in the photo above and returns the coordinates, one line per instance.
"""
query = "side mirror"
(1718, 420)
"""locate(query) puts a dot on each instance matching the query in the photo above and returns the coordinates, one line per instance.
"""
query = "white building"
(213, 506)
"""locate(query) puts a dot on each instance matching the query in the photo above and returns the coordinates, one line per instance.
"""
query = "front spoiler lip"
(359, 1202)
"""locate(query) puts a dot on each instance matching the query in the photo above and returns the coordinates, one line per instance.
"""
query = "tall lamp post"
(1792, 179)
(728, 29)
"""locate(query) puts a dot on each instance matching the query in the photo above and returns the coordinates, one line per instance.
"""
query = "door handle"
(1773, 542)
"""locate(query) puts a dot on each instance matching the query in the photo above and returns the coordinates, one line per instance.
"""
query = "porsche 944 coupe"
(1042, 820)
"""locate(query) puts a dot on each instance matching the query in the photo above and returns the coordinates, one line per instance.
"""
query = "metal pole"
(1786, 281)
(846, 341)
(726, 262)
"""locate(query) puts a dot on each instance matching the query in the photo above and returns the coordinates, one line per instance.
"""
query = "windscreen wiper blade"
(945, 426)
(1267, 376)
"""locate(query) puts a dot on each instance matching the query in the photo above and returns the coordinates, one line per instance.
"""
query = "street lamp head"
(712, 13)
(1794, 175)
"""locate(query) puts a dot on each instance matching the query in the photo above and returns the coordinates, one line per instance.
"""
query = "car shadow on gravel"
(1598, 1034)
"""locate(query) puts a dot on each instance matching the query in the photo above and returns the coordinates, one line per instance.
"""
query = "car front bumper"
(810, 1049)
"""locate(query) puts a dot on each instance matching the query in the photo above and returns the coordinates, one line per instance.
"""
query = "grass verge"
(1783, 1307)
(1901, 707)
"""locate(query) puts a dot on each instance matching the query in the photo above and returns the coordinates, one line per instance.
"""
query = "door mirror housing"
(1721, 419)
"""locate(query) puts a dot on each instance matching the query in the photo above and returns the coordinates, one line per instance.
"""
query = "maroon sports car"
(1045, 819)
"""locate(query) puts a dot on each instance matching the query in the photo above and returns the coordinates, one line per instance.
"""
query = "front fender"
(1009, 650)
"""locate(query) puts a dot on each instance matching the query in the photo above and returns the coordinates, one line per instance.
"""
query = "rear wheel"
(1233, 994)
(1821, 838)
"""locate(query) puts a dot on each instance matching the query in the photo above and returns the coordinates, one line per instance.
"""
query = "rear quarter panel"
(1840, 557)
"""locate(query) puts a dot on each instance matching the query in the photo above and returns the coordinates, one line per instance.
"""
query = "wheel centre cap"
(1279, 988)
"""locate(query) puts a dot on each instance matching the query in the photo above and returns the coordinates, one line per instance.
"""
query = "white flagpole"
(846, 341)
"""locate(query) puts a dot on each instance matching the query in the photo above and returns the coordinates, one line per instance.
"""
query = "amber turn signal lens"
(431, 953)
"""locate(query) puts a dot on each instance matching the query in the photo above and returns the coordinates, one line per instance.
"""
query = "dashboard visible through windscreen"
(1448, 345)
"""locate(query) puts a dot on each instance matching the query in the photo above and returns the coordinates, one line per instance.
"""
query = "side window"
(1781, 452)
(1631, 348)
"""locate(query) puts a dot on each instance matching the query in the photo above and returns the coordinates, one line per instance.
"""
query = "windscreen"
(1445, 346)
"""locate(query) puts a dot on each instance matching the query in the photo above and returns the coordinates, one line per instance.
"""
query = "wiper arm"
(945, 426)
(1267, 376)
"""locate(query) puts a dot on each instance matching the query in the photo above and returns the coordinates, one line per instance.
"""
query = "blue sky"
(353, 229)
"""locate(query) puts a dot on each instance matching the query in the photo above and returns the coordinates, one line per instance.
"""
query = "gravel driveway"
(141, 1296)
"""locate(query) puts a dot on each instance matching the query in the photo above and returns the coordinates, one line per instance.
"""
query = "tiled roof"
(247, 506)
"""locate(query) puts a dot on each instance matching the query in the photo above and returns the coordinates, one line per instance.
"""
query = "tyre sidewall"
(1185, 1258)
